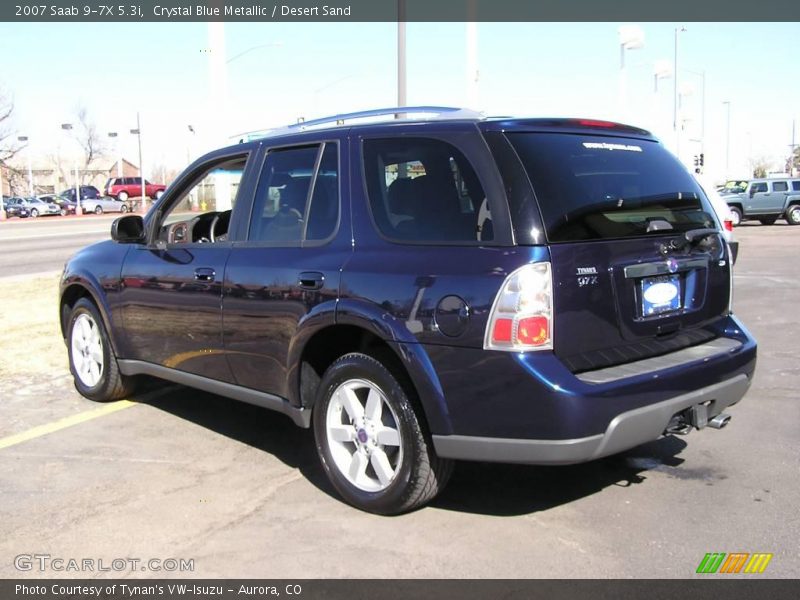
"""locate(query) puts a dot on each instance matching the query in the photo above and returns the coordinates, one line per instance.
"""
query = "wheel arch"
(361, 331)
(75, 288)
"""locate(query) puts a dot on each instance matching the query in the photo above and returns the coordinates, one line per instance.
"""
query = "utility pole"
(401, 53)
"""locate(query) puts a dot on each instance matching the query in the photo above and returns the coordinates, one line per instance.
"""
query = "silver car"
(101, 205)
(37, 207)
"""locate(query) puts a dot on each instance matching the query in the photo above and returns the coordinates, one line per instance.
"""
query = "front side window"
(202, 213)
(298, 195)
(758, 188)
(424, 190)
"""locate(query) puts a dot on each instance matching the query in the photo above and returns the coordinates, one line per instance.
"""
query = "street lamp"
(631, 37)
(78, 207)
(138, 133)
(702, 75)
(113, 135)
(727, 104)
(24, 138)
(675, 82)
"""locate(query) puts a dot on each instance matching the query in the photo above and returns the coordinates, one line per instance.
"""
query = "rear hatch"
(639, 267)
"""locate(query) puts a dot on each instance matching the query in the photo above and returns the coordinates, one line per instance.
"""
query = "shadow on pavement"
(480, 488)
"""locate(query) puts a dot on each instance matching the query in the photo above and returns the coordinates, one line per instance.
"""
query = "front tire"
(98, 210)
(793, 215)
(370, 441)
(159, 193)
(91, 359)
(34, 213)
(736, 215)
(122, 196)
(123, 209)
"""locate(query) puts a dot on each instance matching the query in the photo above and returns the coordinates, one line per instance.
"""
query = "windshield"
(598, 187)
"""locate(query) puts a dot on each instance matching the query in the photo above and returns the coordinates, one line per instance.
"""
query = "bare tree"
(8, 143)
(91, 143)
(759, 166)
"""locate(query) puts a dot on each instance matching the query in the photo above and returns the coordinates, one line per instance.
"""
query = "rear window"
(425, 190)
(601, 187)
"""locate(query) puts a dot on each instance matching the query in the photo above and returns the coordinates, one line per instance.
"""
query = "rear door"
(627, 283)
(287, 269)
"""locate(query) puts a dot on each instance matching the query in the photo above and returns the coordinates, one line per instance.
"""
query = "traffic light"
(702, 159)
(697, 161)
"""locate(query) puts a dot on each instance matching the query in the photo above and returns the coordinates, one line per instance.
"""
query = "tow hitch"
(695, 417)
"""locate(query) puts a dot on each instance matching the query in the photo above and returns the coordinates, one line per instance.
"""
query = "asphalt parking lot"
(183, 474)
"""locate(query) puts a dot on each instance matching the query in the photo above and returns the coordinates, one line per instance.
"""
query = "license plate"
(661, 294)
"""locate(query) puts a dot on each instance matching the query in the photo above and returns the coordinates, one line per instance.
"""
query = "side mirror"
(128, 230)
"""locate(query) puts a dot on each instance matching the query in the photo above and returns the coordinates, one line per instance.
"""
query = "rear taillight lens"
(728, 224)
(522, 314)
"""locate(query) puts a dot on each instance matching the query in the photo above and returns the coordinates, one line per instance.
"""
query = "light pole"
(138, 133)
(472, 54)
(114, 136)
(2, 197)
(675, 83)
(727, 104)
(631, 37)
(401, 53)
(78, 207)
(24, 138)
(702, 75)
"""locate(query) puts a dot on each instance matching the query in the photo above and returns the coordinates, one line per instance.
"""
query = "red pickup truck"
(123, 188)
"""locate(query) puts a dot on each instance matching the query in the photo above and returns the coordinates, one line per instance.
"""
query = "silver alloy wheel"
(794, 215)
(87, 350)
(363, 435)
(735, 218)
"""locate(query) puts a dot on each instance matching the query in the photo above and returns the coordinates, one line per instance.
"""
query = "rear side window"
(796, 186)
(298, 195)
(780, 186)
(424, 190)
(597, 187)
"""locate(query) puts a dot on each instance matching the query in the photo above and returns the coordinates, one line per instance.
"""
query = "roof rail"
(442, 112)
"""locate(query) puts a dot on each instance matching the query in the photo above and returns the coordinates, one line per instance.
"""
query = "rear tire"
(34, 213)
(736, 215)
(123, 209)
(98, 210)
(370, 442)
(122, 196)
(768, 220)
(793, 215)
(91, 359)
(159, 193)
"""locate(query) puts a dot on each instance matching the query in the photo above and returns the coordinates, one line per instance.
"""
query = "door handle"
(311, 280)
(204, 274)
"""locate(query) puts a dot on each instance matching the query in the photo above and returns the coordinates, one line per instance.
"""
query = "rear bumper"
(625, 431)
(528, 407)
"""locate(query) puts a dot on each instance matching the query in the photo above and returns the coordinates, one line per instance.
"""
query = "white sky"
(281, 71)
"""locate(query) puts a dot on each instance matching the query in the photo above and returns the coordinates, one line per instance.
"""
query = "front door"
(171, 288)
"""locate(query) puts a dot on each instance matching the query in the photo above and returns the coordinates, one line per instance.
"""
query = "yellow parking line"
(41, 430)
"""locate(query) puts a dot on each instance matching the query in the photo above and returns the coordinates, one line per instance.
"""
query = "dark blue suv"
(418, 290)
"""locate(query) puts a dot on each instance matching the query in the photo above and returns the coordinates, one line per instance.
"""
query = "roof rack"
(442, 112)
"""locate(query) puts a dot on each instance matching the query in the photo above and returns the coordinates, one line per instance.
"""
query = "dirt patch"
(30, 337)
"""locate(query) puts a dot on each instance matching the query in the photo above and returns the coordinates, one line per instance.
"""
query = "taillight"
(728, 224)
(522, 314)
